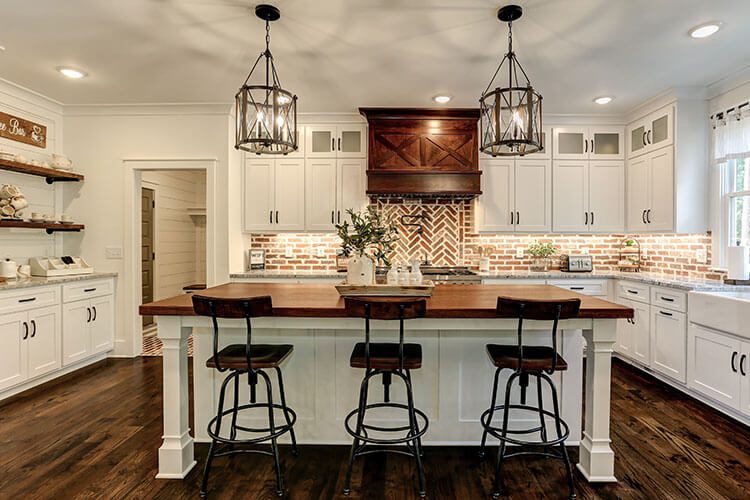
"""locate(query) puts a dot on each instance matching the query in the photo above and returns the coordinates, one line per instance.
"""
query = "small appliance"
(257, 259)
(59, 266)
(8, 269)
(576, 263)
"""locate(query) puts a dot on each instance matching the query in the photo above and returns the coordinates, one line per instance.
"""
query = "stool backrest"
(539, 310)
(385, 308)
(235, 308)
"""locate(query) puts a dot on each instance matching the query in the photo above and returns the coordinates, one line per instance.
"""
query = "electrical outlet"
(519, 253)
(700, 256)
(113, 252)
(320, 252)
(289, 252)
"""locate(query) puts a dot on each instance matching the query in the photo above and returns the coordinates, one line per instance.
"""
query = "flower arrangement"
(540, 253)
(368, 234)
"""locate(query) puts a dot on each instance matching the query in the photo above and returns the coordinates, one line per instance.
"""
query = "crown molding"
(159, 109)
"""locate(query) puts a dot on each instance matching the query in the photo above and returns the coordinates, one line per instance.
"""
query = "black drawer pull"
(33, 330)
(742, 364)
(667, 299)
(734, 358)
(25, 330)
(94, 318)
(88, 318)
(577, 288)
(632, 291)
(665, 313)
(89, 290)
(30, 299)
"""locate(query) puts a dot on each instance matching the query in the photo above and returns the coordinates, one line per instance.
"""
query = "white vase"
(360, 270)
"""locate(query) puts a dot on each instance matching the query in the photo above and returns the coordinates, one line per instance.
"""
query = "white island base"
(453, 387)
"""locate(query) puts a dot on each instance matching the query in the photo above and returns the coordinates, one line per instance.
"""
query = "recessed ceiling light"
(605, 99)
(705, 30)
(71, 72)
(442, 99)
(2, 48)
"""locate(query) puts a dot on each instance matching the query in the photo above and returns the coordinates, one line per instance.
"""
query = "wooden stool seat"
(261, 356)
(384, 356)
(535, 358)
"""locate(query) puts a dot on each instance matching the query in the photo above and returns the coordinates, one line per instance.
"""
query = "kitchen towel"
(738, 263)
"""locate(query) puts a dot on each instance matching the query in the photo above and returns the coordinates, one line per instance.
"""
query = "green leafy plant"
(369, 232)
(541, 250)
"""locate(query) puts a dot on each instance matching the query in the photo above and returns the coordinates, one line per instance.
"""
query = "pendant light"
(266, 113)
(511, 115)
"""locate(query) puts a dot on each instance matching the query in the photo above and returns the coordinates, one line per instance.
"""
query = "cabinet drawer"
(668, 298)
(586, 287)
(87, 289)
(29, 298)
(633, 291)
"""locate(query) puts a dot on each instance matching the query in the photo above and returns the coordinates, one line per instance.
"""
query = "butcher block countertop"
(318, 300)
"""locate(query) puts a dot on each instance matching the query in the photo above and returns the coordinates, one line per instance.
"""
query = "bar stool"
(526, 361)
(388, 360)
(253, 360)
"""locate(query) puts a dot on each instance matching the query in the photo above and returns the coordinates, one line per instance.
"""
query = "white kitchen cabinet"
(274, 194)
(44, 341)
(333, 187)
(336, 141)
(13, 349)
(669, 343)
(633, 336)
(651, 132)
(102, 324)
(88, 328)
(744, 369)
(588, 196)
(584, 143)
(713, 365)
(516, 195)
(651, 191)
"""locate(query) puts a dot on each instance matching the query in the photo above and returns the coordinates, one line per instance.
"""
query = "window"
(737, 201)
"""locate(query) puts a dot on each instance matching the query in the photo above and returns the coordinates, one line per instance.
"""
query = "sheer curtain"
(732, 136)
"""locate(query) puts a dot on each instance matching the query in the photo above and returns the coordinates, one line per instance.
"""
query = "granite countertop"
(40, 281)
(687, 284)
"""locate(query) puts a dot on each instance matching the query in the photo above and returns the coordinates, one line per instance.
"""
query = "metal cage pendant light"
(511, 116)
(266, 113)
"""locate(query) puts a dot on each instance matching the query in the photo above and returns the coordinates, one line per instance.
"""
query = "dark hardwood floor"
(95, 434)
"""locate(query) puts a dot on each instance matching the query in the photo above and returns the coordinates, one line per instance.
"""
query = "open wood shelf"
(50, 174)
(50, 227)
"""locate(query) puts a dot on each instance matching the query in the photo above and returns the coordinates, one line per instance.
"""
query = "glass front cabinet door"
(336, 141)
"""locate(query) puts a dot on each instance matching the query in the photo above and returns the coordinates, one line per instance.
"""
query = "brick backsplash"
(448, 238)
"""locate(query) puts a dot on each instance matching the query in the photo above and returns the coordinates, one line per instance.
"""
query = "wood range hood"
(422, 152)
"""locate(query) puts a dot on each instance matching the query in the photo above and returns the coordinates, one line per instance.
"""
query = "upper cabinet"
(274, 194)
(589, 196)
(651, 132)
(336, 141)
(331, 188)
(584, 143)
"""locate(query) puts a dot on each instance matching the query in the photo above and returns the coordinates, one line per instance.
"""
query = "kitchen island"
(453, 386)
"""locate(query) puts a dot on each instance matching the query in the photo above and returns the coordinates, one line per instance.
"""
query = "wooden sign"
(18, 129)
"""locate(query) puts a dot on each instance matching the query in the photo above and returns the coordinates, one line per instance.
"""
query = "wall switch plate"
(320, 252)
(519, 253)
(113, 252)
(700, 255)
(289, 252)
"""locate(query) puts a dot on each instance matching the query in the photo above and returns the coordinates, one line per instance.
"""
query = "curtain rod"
(721, 114)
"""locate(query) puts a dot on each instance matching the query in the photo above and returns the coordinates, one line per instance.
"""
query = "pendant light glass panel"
(511, 122)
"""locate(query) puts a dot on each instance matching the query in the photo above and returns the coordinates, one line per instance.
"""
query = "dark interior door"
(147, 250)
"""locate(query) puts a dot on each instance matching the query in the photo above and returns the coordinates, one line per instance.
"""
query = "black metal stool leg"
(295, 452)
(540, 402)
(498, 485)
(212, 448)
(233, 433)
(492, 413)
(563, 449)
(272, 427)
(414, 429)
(419, 440)
(360, 419)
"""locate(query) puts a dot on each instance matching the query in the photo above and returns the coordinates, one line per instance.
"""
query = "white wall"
(101, 138)
(20, 244)
(180, 240)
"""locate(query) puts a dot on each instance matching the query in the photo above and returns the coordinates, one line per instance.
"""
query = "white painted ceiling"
(338, 55)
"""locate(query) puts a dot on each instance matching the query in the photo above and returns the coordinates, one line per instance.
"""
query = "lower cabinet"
(668, 347)
(718, 366)
(88, 328)
(634, 335)
(29, 345)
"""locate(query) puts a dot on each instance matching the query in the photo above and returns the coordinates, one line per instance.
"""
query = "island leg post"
(596, 458)
(176, 456)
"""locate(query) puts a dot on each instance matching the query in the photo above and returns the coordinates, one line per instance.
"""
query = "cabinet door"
(660, 216)
(607, 196)
(45, 351)
(533, 195)
(606, 143)
(320, 141)
(351, 141)
(13, 347)
(102, 324)
(258, 194)
(745, 372)
(636, 133)
(638, 193)
(570, 143)
(712, 365)
(289, 195)
(641, 334)
(624, 334)
(351, 187)
(669, 343)
(320, 194)
(660, 126)
(496, 204)
(76, 341)
(570, 196)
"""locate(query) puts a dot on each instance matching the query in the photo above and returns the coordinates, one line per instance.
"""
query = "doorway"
(148, 204)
